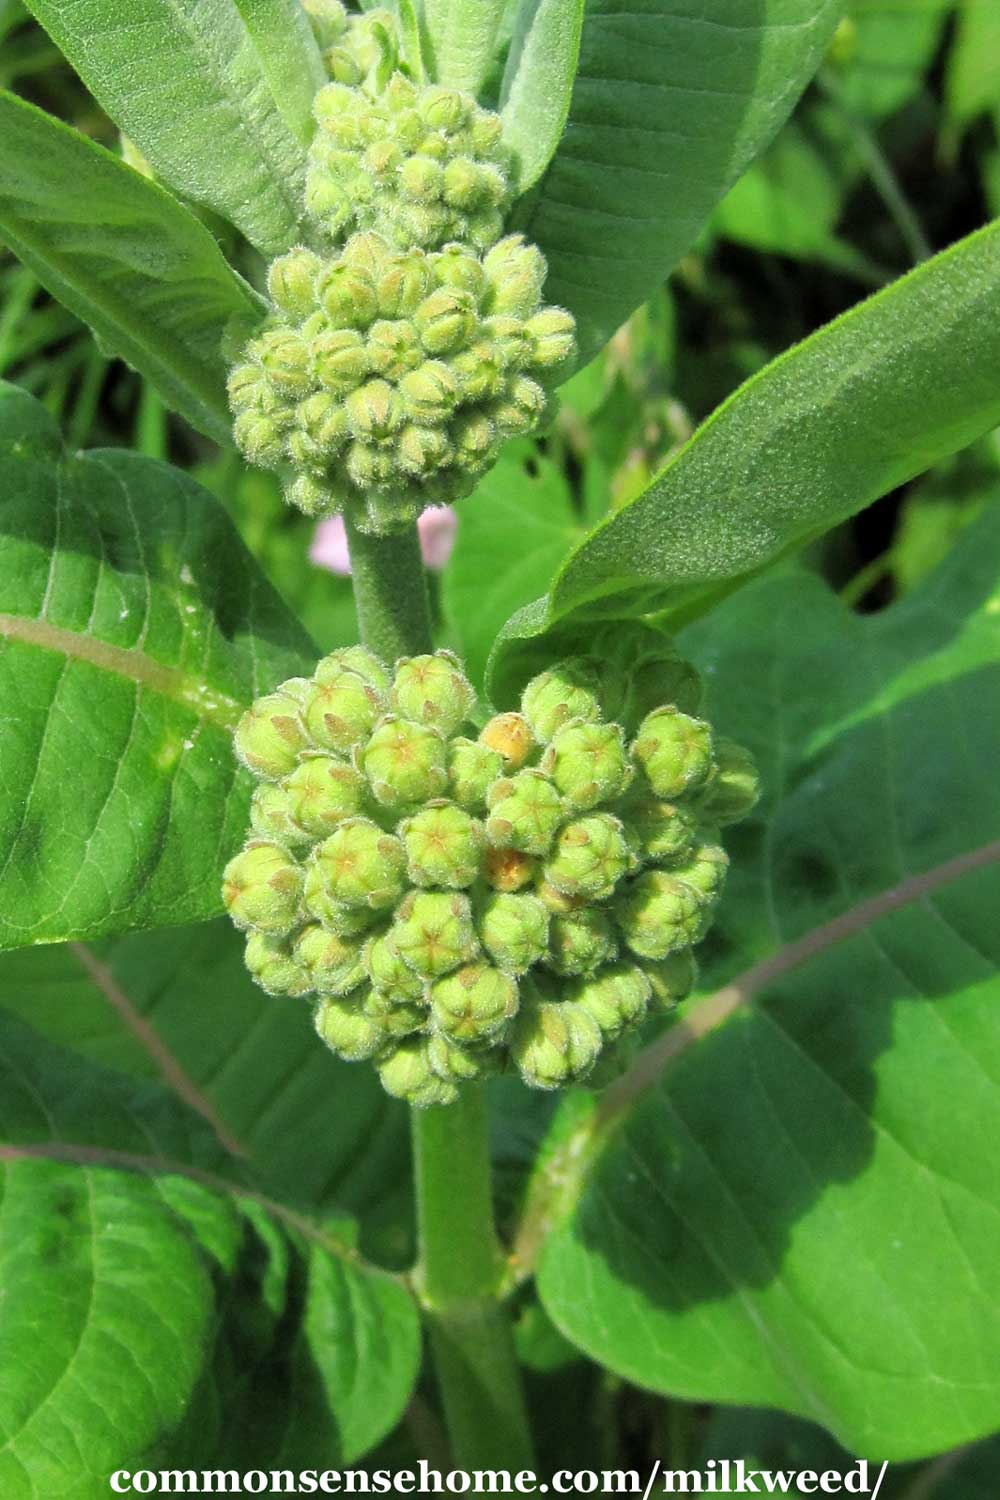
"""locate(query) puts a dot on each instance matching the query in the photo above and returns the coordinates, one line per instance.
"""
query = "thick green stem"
(390, 591)
(458, 1277)
(460, 1269)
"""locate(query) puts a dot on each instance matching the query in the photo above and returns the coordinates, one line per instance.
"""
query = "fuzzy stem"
(458, 1279)
(390, 591)
(460, 1270)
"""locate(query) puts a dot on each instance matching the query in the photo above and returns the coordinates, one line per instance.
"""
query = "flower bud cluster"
(419, 164)
(462, 904)
(386, 380)
(353, 45)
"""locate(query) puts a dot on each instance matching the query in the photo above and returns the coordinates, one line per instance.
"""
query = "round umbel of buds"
(383, 380)
(461, 906)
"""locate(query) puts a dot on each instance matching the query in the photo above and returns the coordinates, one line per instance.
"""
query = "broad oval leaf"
(538, 82)
(802, 1211)
(202, 88)
(882, 393)
(249, 1334)
(125, 256)
(668, 107)
(134, 628)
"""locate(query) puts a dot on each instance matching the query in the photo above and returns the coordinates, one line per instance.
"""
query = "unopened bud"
(663, 831)
(394, 349)
(359, 865)
(342, 711)
(405, 763)
(333, 963)
(587, 763)
(455, 267)
(525, 812)
(433, 690)
(347, 1030)
(284, 357)
(474, 1005)
(374, 411)
(271, 816)
(430, 392)
(580, 941)
(675, 752)
(405, 281)
(472, 768)
(322, 792)
(444, 109)
(347, 296)
(262, 888)
(432, 932)
(271, 964)
(444, 320)
(616, 998)
(357, 659)
(514, 930)
(389, 974)
(554, 1043)
(589, 857)
(458, 1064)
(443, 846)
(734, 789)
(511, 737)
(340, 359)
(291, 282)
(659, 914)
(552, 333)
(516, 270)
(407, 1074)
(508, 869)
(270, 736)
(568, 690)
(260, 438)
(672, 978)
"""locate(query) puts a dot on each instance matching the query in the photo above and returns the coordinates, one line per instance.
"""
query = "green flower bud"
(569, 690)
(580, 941)
(345, 921)
(432, 932)
(554, 1043)
(525, 812)
(328, 202)
(340, 359)
(369, 466)
(322, 792)
(262, 888)
(673, 978)
(430, 392)
(433, 690)
(520, 409)
(332, 963)
(552, 334)
(271, 964)
(360, 865)
(587, 763)
(734, 789)
(616, 998)
(458, 1064)
(480, 373)
(445, 319)
(705, 868)
(659, 914)
(347, 1030)
(249, 390)
(396, 1020)
(675, 751)
(444, 109)
(405, 763)
(557, 902)
(312, 496)
(368, 253)
(271, 816)
(421, 179)
(405, 281)
(507, 341)
(341, 712)
(443, 846)
(474, 1005)
(389, 974)
(467, 184)
(259, 438)
(291, 282)
(589, 858)
(407, 1074)
(661, 680)
(514, 930)
(472, 768)
(347, 295)
(328, 19)
(474, 442)
(516, 271)
(421, 450)
(357, 659)
(374, 411)
(270, 736)
(394, 349)
(508, 869)
(455, 267)
(662, 831)
(321, 431)
(284, 358)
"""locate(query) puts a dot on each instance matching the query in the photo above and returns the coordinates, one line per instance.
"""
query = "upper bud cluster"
(388, 380)
(419, 164)
(461, 904)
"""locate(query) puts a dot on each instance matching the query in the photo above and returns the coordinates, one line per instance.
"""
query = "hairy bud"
(332, 963)
(433, 932)
(554, 1043)
(510, 736)
(407, 1074)
(589, 857)
(271, 735)
(659, 913)
(566, 691)
(472, 768)
(588, 764)
(262, 888)
(443, 846)
(433, 690)
(513, 928)
(405, 762)
(525, 812)
(473, 1005)
(361, 865)
(340, 712)
(675, 752)
(272, 964)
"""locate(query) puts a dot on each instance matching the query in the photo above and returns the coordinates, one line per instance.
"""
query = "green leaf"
(123, 1245)
(123, 255)
(512, 535)
(538, 82)
(134, 627)
(168, 1005)
(872, 399)
(667, 110)
(802, 1210)
(200, 89)
(887, 52)
(971, 84)
(459, 40)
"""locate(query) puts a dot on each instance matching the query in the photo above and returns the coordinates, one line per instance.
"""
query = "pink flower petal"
(329, 546)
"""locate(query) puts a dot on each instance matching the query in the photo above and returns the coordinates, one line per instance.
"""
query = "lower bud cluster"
(388, 380)
(462, 904)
